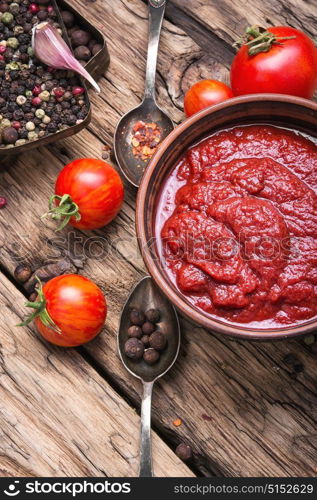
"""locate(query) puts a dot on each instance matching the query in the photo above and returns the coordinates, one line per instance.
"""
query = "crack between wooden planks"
(209, 41)
(113, 383)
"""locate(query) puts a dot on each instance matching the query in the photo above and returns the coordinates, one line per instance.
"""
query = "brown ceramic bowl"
(292, 112)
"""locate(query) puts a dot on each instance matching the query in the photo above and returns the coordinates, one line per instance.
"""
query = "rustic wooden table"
(247, 409)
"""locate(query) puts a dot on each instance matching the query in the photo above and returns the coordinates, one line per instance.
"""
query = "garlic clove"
(50, 48)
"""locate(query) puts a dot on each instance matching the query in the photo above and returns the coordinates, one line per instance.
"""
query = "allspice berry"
(146, 340)
(68, 18)
(80, 37)
(184, 452)
(135, 331)
(137, 317)
(158, 341)
(151, 356)
(148, 328)
(134, 348)
(153, 315)
(82, 52)
(96, 48)
(22, 273)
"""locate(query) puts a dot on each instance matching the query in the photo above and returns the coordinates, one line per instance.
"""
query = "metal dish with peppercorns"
(38, 104)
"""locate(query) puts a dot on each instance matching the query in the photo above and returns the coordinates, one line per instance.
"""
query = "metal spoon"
(146, 295)
(148, 111)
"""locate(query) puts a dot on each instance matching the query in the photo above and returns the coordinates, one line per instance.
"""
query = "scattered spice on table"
(184, 452)
(3, 201)
(22, 273)
(206, 417)
(310, 340)
(146, 137)
(177, 422)
(106, 152)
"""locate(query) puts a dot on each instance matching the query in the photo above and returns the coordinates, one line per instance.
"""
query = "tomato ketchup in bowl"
(230, 206)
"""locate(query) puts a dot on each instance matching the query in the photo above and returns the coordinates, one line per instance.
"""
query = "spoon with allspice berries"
(148, 343)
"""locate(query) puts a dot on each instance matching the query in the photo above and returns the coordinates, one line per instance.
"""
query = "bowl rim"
(211, 323)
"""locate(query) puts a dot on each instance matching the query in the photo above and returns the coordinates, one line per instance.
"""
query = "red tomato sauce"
(237, 226)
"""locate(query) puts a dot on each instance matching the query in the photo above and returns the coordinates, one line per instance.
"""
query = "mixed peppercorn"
(145, 341)
(35, 100)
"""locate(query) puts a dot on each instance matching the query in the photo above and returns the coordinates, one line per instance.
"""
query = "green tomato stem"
(64, 211)
(258, 40)
(40, 310)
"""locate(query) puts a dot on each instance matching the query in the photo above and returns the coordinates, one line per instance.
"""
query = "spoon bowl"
(148, 111)
(146, 295)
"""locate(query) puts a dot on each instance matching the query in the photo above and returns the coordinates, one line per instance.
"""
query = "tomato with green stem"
(88, 195)
(279, 60)
(70, 310)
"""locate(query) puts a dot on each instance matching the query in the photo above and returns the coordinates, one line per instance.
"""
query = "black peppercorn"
(134, 348)
(137, 317)
(148, 328)
(158, 340)
(27, 27)
(71, 120)
(22, 273)
(184, 452)
(135, 331)
(151, 356)
(153, 315)
(42, 15)
(52, 127)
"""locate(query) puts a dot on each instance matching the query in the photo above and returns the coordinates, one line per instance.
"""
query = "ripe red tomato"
(94, 186)
(205, 93)
(74, 310)
(287, 67)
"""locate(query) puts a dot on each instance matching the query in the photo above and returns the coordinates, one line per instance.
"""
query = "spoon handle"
(156, 15)
(146, 469)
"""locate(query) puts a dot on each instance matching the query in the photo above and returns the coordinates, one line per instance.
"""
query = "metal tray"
(95, 62)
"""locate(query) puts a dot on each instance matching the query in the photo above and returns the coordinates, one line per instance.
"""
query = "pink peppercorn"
(3, 48)
(37, 90)
(3, 201)
(78, 90)
(50, 9)
(34, 8)
(16, 125)
(58, 92)
(36, 101)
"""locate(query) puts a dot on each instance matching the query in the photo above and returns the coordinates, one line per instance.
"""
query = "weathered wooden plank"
(262, 420)
(228, 19)
(262, 416)
(52, 425)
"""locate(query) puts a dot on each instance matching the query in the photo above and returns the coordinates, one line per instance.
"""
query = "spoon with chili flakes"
(141, 130)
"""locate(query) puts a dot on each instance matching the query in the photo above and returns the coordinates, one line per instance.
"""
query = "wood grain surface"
(247, 409)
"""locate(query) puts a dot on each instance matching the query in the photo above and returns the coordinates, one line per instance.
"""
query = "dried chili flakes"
(145, 139)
